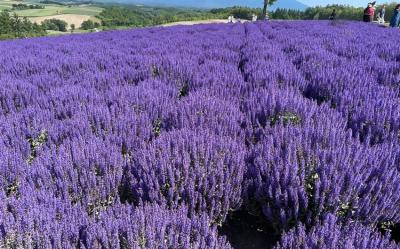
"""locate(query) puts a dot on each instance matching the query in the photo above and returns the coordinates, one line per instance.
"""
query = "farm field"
(77, 20)
(6, 4)
(74, 14)
(51, 10)
(259, 135)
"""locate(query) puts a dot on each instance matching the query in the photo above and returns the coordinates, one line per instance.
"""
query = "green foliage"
(157, 125)
(343, 12)
(96, 207)
(287, 14)
(55, 24)
(138, 16)
(13, 26)
(285, 118)
(387, 226)
(89, 24)
(35, 144)
(345, 209)
(12, 189)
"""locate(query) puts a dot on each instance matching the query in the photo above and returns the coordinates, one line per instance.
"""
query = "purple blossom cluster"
(330, 234)
(150, 138)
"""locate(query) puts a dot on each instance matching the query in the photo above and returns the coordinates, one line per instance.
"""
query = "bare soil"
(69, 18)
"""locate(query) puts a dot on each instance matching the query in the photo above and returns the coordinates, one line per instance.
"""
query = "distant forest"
(322, 13)
(140, 16)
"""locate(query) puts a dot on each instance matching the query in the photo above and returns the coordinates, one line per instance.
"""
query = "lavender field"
(155, 138)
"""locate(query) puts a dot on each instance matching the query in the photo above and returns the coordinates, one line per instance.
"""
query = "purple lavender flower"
(332, 234)
(199, 169)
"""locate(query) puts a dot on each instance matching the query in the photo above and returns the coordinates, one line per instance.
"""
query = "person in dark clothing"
(394, 23)
(369, 13)
(333, 15)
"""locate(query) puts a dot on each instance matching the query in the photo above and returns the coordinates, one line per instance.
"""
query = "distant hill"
(288, 4)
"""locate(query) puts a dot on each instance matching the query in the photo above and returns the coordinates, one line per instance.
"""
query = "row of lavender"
(149, 138)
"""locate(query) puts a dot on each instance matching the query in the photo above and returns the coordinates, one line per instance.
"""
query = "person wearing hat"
(395, 21)
(369, 12)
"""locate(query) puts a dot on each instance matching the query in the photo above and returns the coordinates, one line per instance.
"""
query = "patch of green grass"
(6, 4)
(54, 33)
(83, 10)
(47, 11)
(76, 31)
(51, 10)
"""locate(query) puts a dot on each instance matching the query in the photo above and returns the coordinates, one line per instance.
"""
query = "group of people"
(369, 14)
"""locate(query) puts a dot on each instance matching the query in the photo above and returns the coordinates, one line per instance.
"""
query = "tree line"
(22, 6)
(139, 16)
(343, 12)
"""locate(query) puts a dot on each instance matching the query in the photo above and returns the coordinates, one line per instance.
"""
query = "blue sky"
(325, 2)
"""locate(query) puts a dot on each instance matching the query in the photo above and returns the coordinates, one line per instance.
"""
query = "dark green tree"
(89, 24)
(17, 25)
(55, 24)
(5, 23)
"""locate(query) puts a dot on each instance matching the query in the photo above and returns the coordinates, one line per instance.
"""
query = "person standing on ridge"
(369, 12)
(333, 15)
(394, 23)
